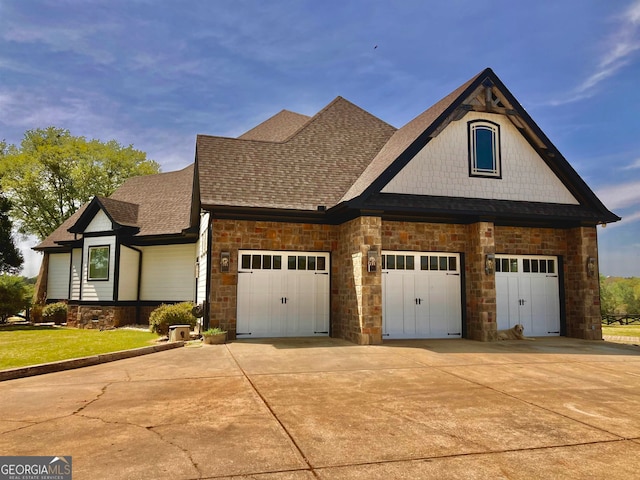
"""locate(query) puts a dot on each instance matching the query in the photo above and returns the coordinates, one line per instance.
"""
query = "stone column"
(480, 286)
(582, 289)
(358, 304)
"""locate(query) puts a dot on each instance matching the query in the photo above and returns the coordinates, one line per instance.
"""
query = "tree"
(52, 174)
(15, 296)
(10, 257)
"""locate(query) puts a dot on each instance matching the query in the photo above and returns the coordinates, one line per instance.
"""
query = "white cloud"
(633, 165)
(619, 49)
(620, 196)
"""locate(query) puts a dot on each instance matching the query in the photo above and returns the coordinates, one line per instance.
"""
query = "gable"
(441, 168)
(99, 223)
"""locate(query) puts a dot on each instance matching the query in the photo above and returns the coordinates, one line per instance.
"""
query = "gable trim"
(457, 109)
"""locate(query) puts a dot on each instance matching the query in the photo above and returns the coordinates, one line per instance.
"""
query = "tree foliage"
(619, 295)
(52, 174)
(15, 296)
(10, 257)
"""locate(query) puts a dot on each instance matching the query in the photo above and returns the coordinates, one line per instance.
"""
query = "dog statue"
(514, 333)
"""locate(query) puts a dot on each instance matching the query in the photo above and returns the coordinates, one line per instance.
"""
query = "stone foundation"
(101, 317)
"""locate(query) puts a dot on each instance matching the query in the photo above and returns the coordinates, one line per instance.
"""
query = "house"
(464, 221)
(118, 258)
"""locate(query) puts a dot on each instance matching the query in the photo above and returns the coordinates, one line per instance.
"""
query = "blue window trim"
(474, 170)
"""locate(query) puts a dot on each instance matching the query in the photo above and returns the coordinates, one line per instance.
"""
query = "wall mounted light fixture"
(591, 266)
(225, 262)
(489, 264)
(372, 261)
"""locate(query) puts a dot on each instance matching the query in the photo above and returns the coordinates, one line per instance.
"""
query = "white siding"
(128, 276)
(100, 223)
(202, 255)
(442, 168)
(58, 276)
(76, 267)
(98, 290)
(168, 272)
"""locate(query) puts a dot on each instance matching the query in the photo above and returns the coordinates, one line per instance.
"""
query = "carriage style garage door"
(283, 294)
(421, 295)
(528, 293)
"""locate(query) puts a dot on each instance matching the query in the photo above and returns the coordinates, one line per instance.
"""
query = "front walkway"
(324, 408)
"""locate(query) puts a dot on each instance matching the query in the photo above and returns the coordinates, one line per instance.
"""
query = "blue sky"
(156, 73)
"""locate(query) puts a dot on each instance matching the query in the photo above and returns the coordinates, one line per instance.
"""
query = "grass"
(622, 330)
(22, 345)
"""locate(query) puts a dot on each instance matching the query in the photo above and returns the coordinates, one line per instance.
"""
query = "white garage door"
(421, 295)
(283, 294)
(528, 293)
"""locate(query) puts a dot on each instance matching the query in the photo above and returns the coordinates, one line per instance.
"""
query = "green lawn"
(25, 345)
(623, 330)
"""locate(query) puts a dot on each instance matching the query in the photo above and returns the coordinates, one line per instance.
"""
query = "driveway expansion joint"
(266, 404)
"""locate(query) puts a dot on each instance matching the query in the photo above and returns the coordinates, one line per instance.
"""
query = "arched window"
(484, 149)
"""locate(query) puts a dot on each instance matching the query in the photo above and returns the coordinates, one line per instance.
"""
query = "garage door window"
(438, 262)
(532, 265)
(306, 262)
(261, 262)
(398, 262)
(507, 265)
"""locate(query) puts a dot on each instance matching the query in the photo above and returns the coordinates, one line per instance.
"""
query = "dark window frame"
(474, 170)
(90, 249)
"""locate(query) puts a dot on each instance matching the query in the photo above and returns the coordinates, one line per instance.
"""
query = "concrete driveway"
(324, 408)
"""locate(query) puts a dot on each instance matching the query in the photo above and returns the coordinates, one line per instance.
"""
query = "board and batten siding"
(442, 168)
(128, 275)
(168, 273)
(98, 290)
(202, 255)
(58, 276)
(76, 267)
(100, 223)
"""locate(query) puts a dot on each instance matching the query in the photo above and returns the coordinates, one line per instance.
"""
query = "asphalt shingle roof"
(157, 204)
(314, 167)
(277, 128)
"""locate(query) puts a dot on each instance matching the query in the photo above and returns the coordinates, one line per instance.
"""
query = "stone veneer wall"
(474, 242)
(584, 318)
(96, 316)
(575, 246)
(100, 317)
(233, 235)
(356, 292)
(481, 287)
(356, 295)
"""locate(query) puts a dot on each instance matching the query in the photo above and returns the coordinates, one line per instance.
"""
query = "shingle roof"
(158, 204)
(123, 213)
(164, 201)
(312, 168)
(61, 234)
(277, 128)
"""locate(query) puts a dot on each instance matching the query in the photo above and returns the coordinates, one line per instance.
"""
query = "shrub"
(55, 312)
(14, 296)
(165, 315)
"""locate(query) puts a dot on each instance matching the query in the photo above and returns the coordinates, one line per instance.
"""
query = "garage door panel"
(527, 290)
(282, 294)
(421, 295)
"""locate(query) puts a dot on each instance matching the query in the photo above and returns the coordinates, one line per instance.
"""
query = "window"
(99, 262)
(484, 149)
